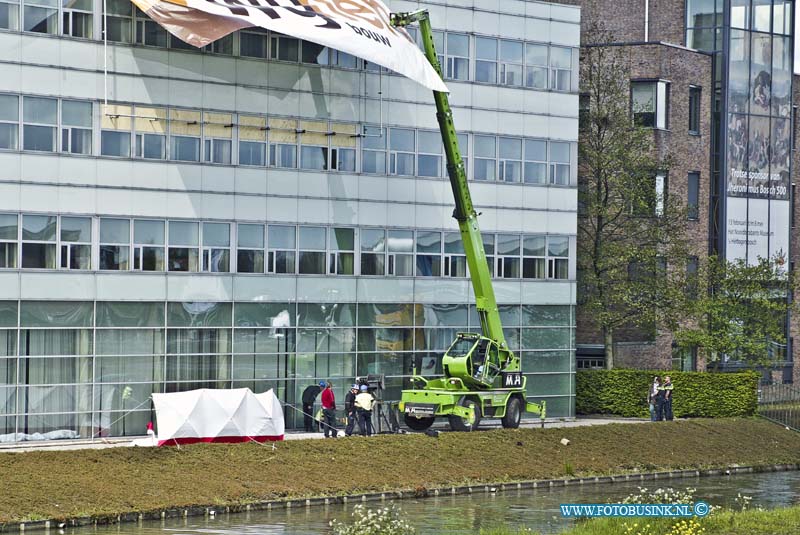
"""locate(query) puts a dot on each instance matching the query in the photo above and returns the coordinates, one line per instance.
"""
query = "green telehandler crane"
(482, 376)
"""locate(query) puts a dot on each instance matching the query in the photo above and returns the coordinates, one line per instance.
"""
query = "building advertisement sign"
(358, 27)
(757, 164)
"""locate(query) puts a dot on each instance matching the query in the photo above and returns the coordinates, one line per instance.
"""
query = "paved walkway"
(102, 443)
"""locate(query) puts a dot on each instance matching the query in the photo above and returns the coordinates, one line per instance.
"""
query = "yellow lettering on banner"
(315, 133)
(345, 135)
(282, 130)
(218, 125)
(150, 120)
(116, 117)
(360, 11)
(184, 122)
(252, 128)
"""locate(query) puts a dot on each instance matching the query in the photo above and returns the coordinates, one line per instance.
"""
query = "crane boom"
(464, 211)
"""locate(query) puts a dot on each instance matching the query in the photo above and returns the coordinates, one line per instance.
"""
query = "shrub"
(704, 395)
(383, 521)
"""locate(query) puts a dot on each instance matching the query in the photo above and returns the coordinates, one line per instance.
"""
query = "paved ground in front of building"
(101, 443)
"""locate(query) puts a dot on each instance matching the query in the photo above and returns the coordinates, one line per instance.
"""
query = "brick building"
(720, 73)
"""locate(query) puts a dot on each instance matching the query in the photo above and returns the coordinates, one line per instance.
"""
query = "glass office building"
(266, 213)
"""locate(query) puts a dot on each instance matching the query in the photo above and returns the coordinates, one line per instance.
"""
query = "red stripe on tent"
(226, 440)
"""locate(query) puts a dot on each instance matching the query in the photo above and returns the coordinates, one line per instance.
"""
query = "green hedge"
(706, 395)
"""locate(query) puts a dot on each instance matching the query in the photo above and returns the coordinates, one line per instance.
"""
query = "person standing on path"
(309, 397)
(350, 410)
(329, 412)
(364, 403)
(651, 397)
(668, 398)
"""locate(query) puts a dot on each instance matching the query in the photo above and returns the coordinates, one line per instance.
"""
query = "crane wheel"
(460, 424)
(417, 424)
(513, 414)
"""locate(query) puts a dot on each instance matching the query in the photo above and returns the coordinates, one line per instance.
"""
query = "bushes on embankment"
(707, 395)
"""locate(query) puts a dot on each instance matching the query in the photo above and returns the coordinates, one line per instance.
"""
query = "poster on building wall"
(358, 27)
(758, 146)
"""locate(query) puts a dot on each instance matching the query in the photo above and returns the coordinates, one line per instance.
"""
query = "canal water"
(536, 509)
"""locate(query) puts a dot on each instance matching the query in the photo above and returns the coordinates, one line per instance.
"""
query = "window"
(401, 253)
(76, 127)
(253, 43)
(151, 133)
(149, 32)
(508, 254)
(560, 68)
(115, 237)
(217, 134)
(38, 241)
(9, 122)
(284, 48)
(9, 15)
(486, 60)
(693, 196)
(148, 245)
(536, 66)
(8, 240)
(119, 21)
(252, 140)
(401, 151)
(311, 254)
(343, 147)
(342, 246)
(41, 16)
(660, 194)
(283, 143)
(429, 154)
(216, 247)
(115, 133)
(342, 59)
(76, 242)
(511, 53)
(485, 158)
(429, 254)
(282, 242)
(559, 163)
(315, 54)
(510, 159)
(77, 18)
(183, 246)
(184, 142)
(558, 257)
(39, 118)
(250, 249)
(488, 247)
(373, 153)
(692, 265)
(649, 104)
(533, 257)
(535, 161)
(456, 56)
(455, 260)
(223, 45)
(179, 44)
(314, 145)
(694, 110)
(373, 251)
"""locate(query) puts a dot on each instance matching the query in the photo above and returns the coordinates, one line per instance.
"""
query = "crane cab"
(474, 359)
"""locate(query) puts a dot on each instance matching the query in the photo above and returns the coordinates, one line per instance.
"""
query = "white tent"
(207, 415)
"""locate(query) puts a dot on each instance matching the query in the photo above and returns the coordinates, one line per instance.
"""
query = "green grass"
(64, 484)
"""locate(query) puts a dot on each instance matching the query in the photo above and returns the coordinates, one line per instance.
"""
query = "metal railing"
(780, 403)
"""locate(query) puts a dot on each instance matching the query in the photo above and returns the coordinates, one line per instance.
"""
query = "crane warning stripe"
(358, 27)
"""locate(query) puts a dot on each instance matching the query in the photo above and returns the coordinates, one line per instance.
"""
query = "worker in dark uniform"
(350, 410)
(659, 400)
(309, 396)
(668, 398)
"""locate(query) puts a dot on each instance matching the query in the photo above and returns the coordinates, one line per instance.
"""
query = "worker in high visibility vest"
(364, 403)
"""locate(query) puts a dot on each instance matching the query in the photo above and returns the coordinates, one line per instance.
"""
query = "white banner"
(358, 27)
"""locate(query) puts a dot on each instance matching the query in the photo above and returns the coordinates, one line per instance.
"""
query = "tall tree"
(742, 316)
(629, 227)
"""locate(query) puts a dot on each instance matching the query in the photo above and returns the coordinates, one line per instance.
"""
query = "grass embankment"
(773, 522)
(43, 485)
